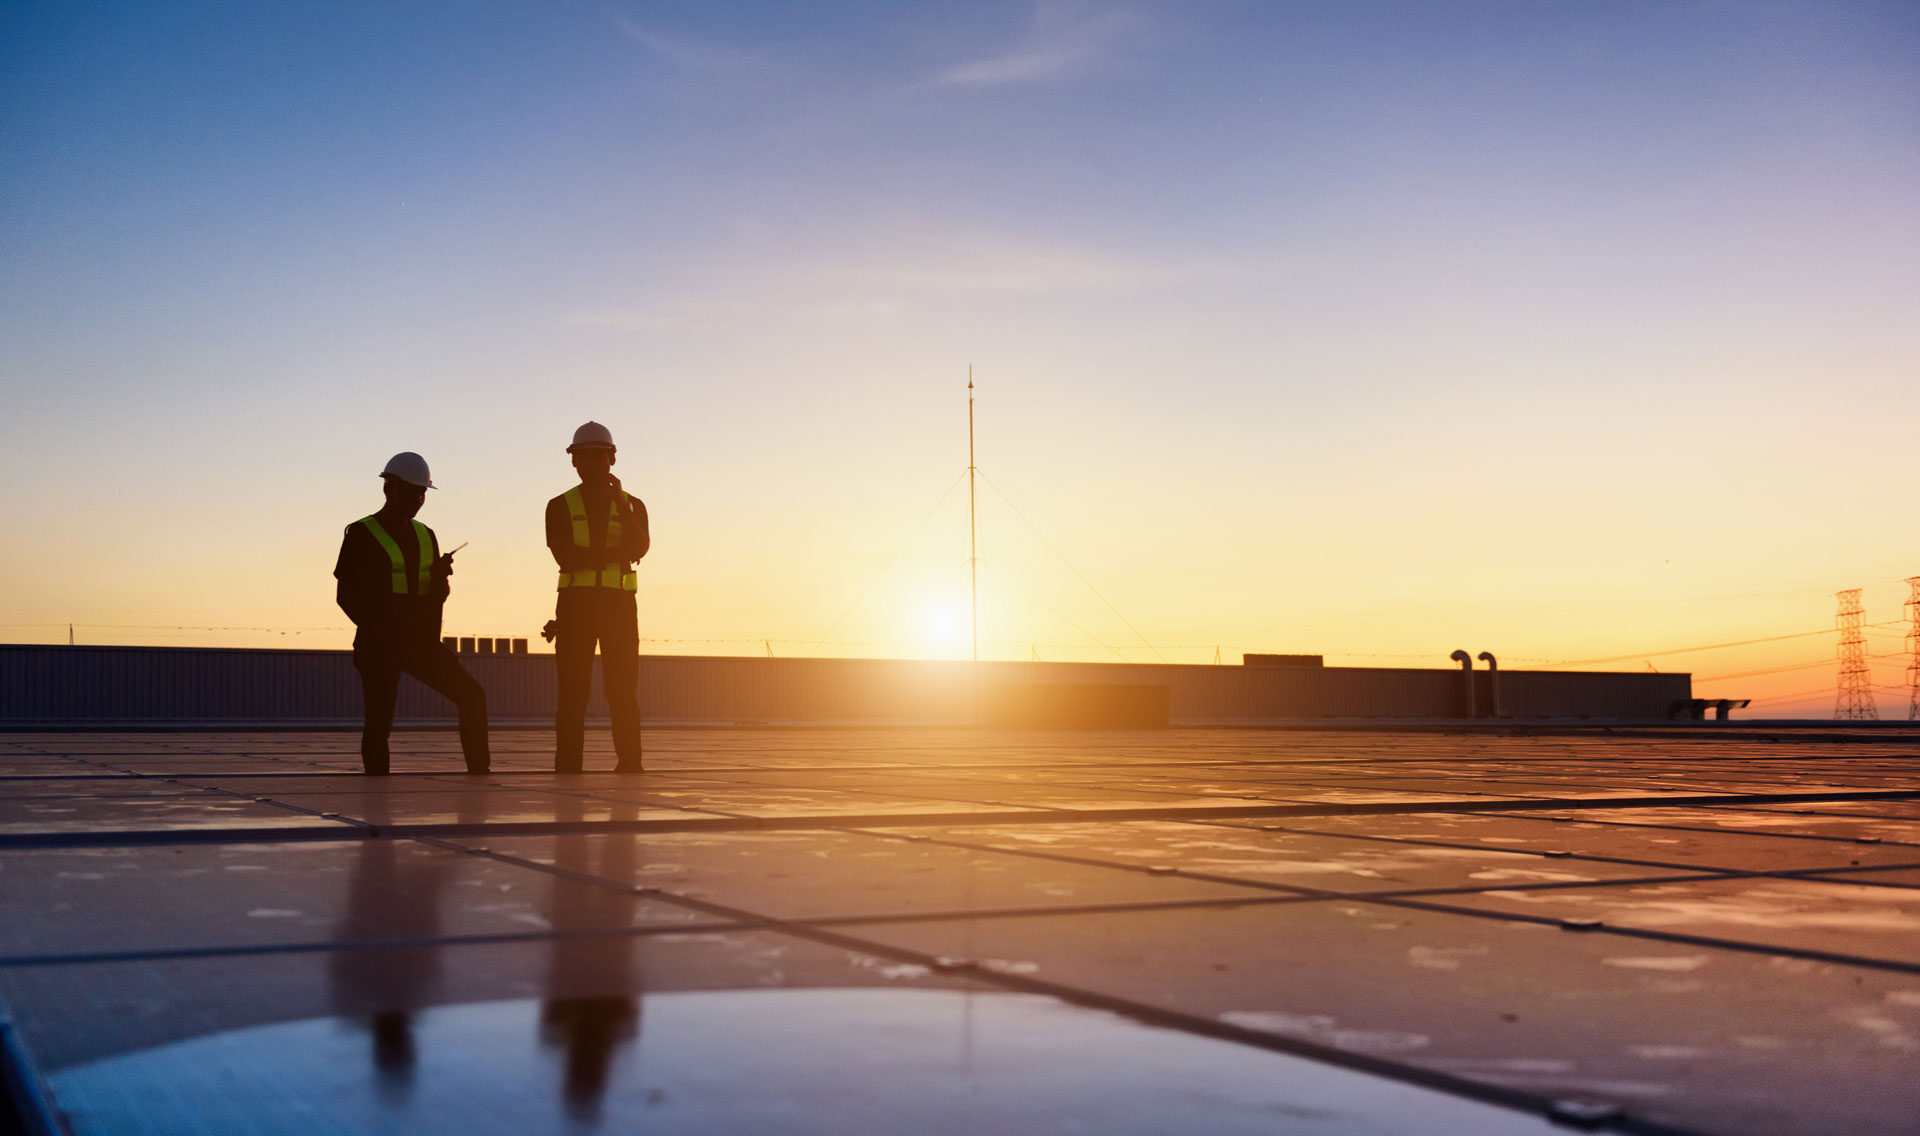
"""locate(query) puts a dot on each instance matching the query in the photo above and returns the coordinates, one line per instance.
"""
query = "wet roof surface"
(950, 931)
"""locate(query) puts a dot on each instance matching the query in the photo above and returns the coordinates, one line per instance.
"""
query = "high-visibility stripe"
(426, 556)
(577, 509)
(611, 575)
(398, 560)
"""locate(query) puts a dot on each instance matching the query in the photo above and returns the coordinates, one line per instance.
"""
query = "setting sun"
(943, 628)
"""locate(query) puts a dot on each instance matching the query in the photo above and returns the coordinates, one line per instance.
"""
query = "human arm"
(635, 537)
(351, 590)
(442, 571)
(560, 539)
(350, 602)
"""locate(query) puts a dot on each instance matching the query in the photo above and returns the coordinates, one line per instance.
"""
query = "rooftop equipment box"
(1047, 705)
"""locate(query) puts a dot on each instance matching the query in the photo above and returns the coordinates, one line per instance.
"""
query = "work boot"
(569, 748)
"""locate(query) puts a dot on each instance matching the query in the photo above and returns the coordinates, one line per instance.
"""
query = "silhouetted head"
(593, 464)
(403, 498)
(592, 451)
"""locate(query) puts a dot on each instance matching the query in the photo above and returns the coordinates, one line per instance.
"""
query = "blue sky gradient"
(1306, 326)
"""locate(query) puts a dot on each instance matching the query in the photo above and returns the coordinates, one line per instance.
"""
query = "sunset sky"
(1576, 332)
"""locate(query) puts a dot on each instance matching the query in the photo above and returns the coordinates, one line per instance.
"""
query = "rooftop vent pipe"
(1493, 681)
(1466, 678)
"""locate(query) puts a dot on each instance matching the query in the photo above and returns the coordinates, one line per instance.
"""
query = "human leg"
(620, 670)
(573, 659)
(379, 689)
(433, 664)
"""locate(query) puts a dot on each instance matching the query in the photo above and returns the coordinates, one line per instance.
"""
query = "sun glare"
(943, 627)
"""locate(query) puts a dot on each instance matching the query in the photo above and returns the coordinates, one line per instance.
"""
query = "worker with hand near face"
(597, 532)
(393, 581)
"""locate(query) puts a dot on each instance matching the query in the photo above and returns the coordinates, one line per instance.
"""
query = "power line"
(1765, 671)
(1063, 559)
(1789, 667)
(1070, 623)
(904, 545)
(1703, 647)
(1821, 692)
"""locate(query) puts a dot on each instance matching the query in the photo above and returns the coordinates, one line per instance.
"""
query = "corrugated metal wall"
(179, 684)
(1573, 694)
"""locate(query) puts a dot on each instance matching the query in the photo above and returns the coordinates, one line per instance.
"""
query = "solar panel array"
(888, 930)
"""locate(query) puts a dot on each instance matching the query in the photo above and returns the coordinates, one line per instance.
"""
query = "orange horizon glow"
(1569, 333)
(918, 609)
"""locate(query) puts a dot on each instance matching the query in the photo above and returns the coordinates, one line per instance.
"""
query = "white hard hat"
(410, 468)
(592, 436)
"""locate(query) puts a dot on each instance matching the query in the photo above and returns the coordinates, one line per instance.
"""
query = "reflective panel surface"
(304, 892)
(113, 813)
(1290, 860)
(1677, 1033)
(901, 930)
(817, 874)
(728, 1062)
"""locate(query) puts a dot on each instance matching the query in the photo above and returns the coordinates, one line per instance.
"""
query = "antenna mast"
(973, 551)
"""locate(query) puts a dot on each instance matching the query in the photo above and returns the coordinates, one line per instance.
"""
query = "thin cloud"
(1063, 38)
(880, 288)
(693, 55)
(1006, 268)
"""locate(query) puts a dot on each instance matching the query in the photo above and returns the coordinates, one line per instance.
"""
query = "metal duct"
(1466, 678)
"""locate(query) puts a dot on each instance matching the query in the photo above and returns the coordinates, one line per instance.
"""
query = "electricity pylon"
(1854, 699)
(1913, 648)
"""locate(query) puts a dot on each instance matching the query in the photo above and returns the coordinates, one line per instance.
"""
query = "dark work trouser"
(610, 618)
(380, 667)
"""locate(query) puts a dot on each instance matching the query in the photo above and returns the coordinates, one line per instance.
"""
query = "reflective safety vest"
(614, 575)
(399, 561)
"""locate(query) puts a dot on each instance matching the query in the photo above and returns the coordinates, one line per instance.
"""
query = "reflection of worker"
(596, 533)
(592, 1005)
(393, 581)
(393, 892)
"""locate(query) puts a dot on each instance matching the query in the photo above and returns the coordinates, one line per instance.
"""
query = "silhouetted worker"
(393, 581)
(597, 532)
